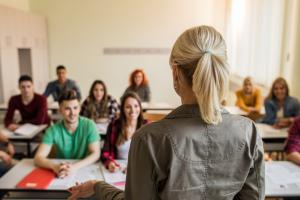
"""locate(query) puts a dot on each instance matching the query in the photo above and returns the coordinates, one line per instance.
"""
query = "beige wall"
(22, 30)
(295, 83)
(80, 29)
(290, 48)
(18, 4)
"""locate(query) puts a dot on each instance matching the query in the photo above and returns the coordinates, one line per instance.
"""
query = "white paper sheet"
(26, 129)
(281, 175)
(92, 172)
(117, 178)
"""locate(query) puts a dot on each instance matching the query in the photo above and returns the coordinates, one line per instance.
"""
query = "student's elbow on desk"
(294, 157)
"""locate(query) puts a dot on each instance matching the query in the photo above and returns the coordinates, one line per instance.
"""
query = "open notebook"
(118, 178)
(26, 129)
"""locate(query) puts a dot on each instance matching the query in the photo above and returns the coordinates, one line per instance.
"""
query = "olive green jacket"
(181, 157)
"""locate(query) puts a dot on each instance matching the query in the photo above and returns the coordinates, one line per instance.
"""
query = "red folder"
(37, 179)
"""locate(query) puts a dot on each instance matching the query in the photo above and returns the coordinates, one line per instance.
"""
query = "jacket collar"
(187, 111)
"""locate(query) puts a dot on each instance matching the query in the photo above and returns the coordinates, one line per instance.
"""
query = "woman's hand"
(283, 122)
(83, 190)
(13, 127)
(113, 166)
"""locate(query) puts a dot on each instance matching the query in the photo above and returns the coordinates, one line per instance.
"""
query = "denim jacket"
(291, 108)
(181, 157)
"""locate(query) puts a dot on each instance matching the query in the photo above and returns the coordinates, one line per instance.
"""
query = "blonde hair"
(200, 54)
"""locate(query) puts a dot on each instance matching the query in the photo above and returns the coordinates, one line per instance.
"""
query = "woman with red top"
(139, 84)
(121, 130)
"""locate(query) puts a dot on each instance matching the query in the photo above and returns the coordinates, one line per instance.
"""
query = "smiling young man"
(32, 106)
(74, 137)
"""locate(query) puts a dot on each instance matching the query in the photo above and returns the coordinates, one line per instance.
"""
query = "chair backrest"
(153, 116)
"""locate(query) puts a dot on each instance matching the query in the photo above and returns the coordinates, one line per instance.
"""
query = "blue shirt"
(55, 89)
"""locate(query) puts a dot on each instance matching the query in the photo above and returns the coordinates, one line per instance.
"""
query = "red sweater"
(36, 112)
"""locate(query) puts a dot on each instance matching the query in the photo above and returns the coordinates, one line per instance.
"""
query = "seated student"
(99, 106)
(6, 154)
(293, 142)
(74, 137)
(280, 107)
(32, 106)
(249, 97)
(57, 87)
(120, 131)
(292, 147)
(139, 84)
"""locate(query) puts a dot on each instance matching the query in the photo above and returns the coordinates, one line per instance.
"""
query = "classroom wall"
(295, 52)
(79, 30)
(18, 4)
(21, 30)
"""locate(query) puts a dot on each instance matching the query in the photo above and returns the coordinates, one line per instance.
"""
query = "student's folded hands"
(64, 169)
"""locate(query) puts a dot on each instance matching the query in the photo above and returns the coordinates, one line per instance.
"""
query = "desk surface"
(282, 179)
(95, 171)
(14, 136)
(268, 132)
(25, 166)
(237, 111)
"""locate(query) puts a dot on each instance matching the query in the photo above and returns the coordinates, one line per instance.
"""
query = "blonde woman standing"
(199, 151)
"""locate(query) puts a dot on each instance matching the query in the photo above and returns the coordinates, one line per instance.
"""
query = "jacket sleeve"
(10, 113)
(140, 180)
(258, 100)
(270, 116)
(77, 89)
(107, 153)
(240, 102)
(48, 90)
(105, 191)
(147, 94)
(254, 186)
(297, 107)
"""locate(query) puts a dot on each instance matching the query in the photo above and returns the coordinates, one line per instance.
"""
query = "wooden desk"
(28, 139)
(282, 179)
(157, 106)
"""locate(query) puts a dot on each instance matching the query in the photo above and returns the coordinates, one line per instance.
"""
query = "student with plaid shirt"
(121, 130)
(293, 142)
(99, 106)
